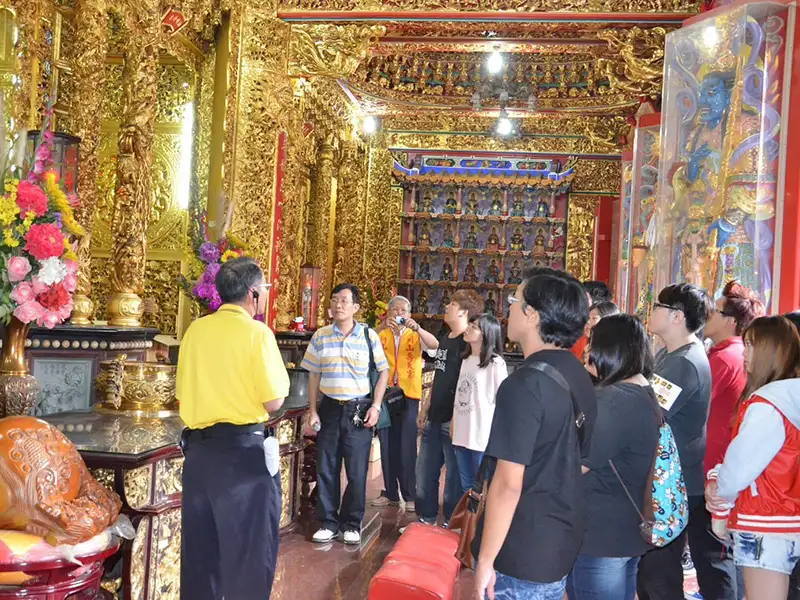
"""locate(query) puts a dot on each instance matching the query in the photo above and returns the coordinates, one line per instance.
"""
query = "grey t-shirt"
(687, 367)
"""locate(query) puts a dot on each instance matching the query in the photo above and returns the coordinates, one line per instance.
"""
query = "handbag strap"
(555, 375)
(372, 366)
(625, 487)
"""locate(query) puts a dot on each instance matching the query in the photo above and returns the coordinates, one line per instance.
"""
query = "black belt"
(224, 430)
(348, 401)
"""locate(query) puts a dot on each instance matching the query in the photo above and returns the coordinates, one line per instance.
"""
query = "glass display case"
(719, 212)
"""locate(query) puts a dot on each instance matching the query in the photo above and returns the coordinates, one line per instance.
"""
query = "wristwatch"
(379, 408)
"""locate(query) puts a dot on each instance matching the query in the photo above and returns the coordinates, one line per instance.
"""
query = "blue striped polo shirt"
(343, 361)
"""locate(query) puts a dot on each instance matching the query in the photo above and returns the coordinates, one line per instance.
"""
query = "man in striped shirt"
(337, 360)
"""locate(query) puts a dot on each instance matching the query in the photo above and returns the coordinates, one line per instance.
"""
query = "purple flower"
(215, 301)
(210, 273)
(59, 219)
(209, 253)
(204, 291)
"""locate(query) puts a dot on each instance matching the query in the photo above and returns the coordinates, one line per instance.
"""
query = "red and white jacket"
(760, 475)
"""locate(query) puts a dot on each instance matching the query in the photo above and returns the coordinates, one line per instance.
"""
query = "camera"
(400, 320)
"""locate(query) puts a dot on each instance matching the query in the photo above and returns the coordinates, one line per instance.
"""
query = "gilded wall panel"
(112, 97)
(160, 286)
(598, 175)
(175, 92)
(580, 235)
(201, 160)
(351, 210)
(165, 555)
(101, 287)
(578, 6)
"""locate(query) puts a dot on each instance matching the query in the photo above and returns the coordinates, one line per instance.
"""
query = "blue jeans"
(508, 588)
(469, 461)
(435, 451)
(601, 578)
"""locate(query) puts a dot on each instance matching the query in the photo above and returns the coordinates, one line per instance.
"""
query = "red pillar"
(277, 226)
(603, 238)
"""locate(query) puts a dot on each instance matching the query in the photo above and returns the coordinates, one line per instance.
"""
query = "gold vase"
(18, 388)
(136, 387)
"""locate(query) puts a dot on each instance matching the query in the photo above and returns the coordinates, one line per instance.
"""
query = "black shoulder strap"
(555, 375)
(372, 366)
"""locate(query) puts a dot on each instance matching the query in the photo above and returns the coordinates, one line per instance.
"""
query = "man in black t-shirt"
(533, 527)
(436, 448)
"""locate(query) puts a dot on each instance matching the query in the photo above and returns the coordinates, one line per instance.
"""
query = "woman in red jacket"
(759, 481)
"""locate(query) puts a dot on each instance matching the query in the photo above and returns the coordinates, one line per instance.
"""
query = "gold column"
(350, 209)
(134, 162)
(28, 13)
(220, 107)
(320, 223)
(90, 75)
(580, 235)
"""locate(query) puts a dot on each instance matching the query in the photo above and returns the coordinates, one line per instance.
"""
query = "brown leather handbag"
(468, 512)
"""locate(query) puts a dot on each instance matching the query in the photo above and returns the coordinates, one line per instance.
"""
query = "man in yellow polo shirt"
(230, 375)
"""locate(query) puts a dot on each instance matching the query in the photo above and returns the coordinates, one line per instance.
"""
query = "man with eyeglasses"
(341, 407)
(682, 383)
(230, 376)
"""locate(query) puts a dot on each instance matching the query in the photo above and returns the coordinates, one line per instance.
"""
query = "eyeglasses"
(667, 306)
(341, 301)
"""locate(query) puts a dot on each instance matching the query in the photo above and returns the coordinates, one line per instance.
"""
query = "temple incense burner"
(143, 388)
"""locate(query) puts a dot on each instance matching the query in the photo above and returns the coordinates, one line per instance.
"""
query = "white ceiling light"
(494, 64)
(504, 126)
(369, 125)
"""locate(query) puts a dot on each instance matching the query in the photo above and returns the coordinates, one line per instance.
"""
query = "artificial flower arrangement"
(209, 258)
(39, 273)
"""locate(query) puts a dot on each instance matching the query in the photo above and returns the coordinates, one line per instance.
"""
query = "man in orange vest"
(403, 342)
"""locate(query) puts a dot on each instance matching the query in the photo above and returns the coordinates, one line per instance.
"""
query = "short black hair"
(693, 301)
(599, 291)
(492, 344)
(605, 309)
(619, 349)
(561, 302)
(236, 278)
(348, 286)
(794, 317)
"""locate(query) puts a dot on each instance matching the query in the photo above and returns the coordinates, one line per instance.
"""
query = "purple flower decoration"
(59, 219)
(210, 273)
(215, 301)
(209, 253)
(204, 291)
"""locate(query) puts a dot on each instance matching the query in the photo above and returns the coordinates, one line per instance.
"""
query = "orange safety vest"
(405, 361)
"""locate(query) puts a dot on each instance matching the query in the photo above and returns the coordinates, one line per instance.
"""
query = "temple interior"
(412, 147)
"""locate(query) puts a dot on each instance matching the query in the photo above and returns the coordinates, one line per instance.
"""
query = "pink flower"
(72, 266)
(65, 311)
(18, 268)
(22, 293)
(70, 282)
(29, 311)
(38, 286)
(48, 319)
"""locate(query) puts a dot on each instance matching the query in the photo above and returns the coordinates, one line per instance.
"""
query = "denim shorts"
(772, 551)
(509, 588)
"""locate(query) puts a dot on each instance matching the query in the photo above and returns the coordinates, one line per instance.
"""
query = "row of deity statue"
(447, 271)
(422, 303)
(516, 242)
(538, 208)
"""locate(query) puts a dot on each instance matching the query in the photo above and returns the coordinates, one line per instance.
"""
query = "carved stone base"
(82, 310)
(125, 309)
(18, 394)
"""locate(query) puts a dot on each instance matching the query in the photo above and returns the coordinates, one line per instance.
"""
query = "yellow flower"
(61, 203)
(8, 210)
(9, 239)
(228, 255)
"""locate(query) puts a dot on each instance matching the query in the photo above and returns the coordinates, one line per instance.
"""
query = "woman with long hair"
(625, 438)
(482, 371)
(759, 482)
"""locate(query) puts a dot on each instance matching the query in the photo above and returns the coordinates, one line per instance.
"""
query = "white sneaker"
(323, 536)
(352, 537)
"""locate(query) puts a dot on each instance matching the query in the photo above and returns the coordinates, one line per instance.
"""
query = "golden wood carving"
(136, 386)
(598, 175)
(165, 554)
(288, 484)
(642, 54)
(351, 205)
(138, 555)
(580, 234)
(27, 21)
(323, 202)
(134, 163)
(325, 50)
(578, 6)
(168, 478)
(138, 485)
(90, 80)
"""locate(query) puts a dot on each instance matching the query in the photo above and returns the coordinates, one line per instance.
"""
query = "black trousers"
(399, 454)
(230, 517)
(340, 441)
(661, 573)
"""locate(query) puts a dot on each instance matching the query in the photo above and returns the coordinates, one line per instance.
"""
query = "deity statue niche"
(451, 205)
(490, 306)
(515, 273)
(556, 242)
(421, 303)
(518, 206)
(424, 235)
(517, 241)
(424, 269)
(471, 239)
(470, 274)
(492, 273)
(538, 242)
(493, 241)
(496, 206)
(472, 203)
(447, 270)
(542, 209)
(447, 240)
(426, 205)
(444, 302)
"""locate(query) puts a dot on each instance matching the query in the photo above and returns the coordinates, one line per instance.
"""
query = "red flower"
(31, 198)
(45, 240)
(54, 297)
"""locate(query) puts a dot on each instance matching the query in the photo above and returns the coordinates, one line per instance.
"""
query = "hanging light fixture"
(504, 126)
(494, 64)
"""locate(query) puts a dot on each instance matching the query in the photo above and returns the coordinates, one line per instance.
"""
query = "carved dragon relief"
(642, 66)
(325, 50)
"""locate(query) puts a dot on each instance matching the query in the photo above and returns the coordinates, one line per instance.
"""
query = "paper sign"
(666, 391)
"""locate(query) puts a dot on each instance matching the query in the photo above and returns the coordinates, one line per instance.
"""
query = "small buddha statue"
(471, 240)
(444, 302)
(447, 270)
(424, 269)
(447, 241)
(493, 241)
(515, 273)
(470, 275)
(472, 203)
(538, 242)
(427, 203)
(492, 273)
(558, 238)
(542, 209)
(490, 306)
(424, 235)
(518, 207)
(421, 305)
(517, 241)
(450, 205)
(496, 207)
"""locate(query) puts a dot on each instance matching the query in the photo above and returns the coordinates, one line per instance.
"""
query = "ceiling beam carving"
(326, 50)
(513, 6)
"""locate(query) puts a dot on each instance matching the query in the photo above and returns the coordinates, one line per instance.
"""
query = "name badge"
(666, 391)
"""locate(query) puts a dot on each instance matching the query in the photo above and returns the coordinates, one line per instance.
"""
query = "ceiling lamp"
(494, 63)
(504, 126)
(369, 124)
